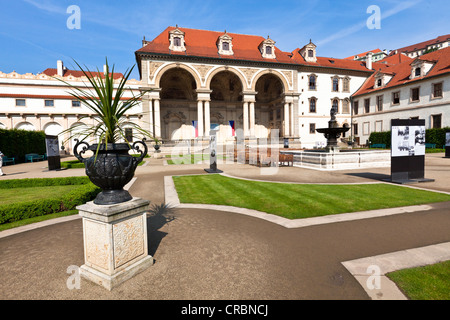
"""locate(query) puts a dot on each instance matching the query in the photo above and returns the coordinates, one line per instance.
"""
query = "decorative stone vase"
(111, 168)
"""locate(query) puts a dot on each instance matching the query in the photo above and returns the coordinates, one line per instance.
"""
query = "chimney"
(369, 60)
(60, 68)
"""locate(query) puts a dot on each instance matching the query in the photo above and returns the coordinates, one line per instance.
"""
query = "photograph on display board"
(447, 139)
(408, 141)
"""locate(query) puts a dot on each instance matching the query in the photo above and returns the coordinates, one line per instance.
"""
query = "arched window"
(335, 105)
(312, 105)
(346, 84)
(312, 82)
(335, 84)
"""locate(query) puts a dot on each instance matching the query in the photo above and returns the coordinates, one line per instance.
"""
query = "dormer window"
(417, 72)
(225, 45)
(267, 48)
(421, 67)
(308, 52)
(176, 40)
(382, 78)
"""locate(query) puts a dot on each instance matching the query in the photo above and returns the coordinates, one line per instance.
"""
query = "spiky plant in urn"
(111, 166)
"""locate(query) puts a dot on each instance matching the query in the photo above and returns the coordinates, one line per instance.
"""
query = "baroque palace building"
(196, 81)
(201, 80)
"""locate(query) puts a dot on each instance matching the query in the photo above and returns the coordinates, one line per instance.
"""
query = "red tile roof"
(360, 55)
(331, 62)
(423, 45)
(395, 59)
(202, 43)
(402, 71)
(77, 73)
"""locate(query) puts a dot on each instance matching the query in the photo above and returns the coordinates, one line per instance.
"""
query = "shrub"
(19, 211)
(17, 143)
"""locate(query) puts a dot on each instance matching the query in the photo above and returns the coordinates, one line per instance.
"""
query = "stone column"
(200, 118)
(207, 118)
(157, 114)
(286, 120)
(245, 119)
(291, 122)
(252, 119)
(115, 241)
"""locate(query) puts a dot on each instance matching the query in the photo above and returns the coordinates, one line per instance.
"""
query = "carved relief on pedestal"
(128, 240)
(96, 244)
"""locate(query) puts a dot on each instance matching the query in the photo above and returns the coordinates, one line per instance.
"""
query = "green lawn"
(15, 224)
(424, 283)
(14, 195)
(295, 201)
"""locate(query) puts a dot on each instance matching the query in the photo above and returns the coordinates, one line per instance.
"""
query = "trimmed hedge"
(28, 209)
(436, 136)
(17, 143)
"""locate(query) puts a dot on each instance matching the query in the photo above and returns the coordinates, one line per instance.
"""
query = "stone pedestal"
(115, 241)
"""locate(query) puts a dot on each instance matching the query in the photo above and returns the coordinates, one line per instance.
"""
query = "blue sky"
(34, 33)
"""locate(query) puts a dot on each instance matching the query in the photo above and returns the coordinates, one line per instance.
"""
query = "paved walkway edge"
(371, 272)
(171, 199)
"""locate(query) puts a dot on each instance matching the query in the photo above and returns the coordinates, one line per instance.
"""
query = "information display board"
(408, 151)
(52, 148)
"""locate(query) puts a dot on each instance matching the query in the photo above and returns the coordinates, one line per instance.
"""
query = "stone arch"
(258, 75)
(220, 69)
(25, 125)
(168, 67)
(53, 128)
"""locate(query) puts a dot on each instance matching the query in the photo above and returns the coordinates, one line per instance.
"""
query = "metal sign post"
(213, 153)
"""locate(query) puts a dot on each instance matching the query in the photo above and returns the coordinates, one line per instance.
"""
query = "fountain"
(333, 132)
(333, 158)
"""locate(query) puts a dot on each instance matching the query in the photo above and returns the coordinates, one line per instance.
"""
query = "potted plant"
(111, 166)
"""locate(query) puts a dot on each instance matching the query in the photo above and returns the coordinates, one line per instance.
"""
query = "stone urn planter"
(111, 168)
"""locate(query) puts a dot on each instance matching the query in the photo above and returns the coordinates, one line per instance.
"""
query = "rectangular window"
(20, 102)
(355, 107)
(49, 103)
(379, 103)
(366, 105)
(396, 97)
(379, 125)
(355, 129)
(312, 128)
(415, 94)
(366, 128)
(437, 90)
(76, 103)
(225, 46)
(345, 106)
(436, 121)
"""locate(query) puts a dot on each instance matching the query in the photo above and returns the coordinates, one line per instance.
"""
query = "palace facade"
(199, 80)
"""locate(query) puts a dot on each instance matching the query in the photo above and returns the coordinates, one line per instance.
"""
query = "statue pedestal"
(115, 241)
